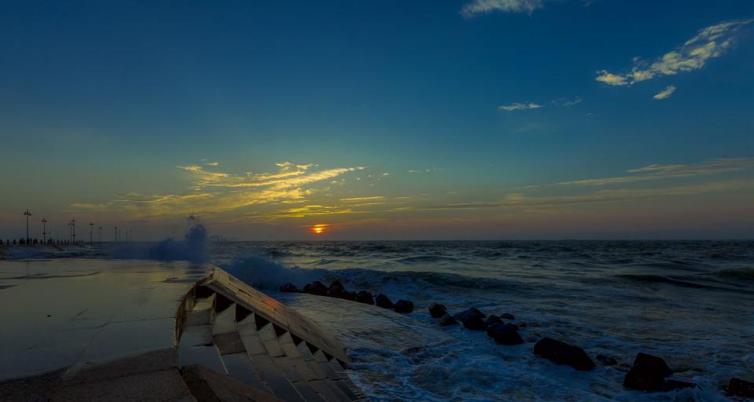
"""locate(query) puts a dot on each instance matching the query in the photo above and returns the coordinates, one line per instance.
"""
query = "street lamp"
(44, 230)
(91, 231)
(73, 230)
(27, 213)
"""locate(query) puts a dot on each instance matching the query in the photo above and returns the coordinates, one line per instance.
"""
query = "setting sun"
(318, 229)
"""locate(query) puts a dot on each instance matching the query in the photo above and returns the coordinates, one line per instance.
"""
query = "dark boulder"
(316, 288)
(507, 316)
(289, 287)
(336, 289)
(446, 320)
(472, 319)
(403, 306)
(649, 373)
(562, 353)
(606, 360)
(739, 387)
(437, 310)
(346, 295)
(383, 301)
(492, 320)
(364, 297)
(505, 334)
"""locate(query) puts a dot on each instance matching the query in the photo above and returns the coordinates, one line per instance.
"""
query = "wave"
(420, 259)
(279, 253)
(267, 274)
(192, 248)
(649, 278)
(745, 274)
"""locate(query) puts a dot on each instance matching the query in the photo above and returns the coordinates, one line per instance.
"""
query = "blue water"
(691, 303)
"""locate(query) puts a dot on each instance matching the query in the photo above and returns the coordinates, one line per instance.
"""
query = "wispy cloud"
(671, 171)
(507, 6)
(665, 93)
(513, 107)
(708, 43)
(218, 192)
(522, 200)
(567, 102)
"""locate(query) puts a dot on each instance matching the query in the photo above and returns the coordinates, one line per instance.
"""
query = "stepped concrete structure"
(96, 330)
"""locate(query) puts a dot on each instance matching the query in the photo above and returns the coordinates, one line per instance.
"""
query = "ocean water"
(691, 303)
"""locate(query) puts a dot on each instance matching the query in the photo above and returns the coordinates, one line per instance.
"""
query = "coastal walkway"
(90, 330)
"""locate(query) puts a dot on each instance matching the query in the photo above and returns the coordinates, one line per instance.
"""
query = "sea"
(689, 302)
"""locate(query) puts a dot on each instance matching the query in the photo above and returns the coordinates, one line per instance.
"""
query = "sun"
(318, 229)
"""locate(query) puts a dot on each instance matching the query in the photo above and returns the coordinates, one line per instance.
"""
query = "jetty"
(95, 330)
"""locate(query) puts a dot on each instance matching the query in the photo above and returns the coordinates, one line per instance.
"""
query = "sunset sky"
(405, 119)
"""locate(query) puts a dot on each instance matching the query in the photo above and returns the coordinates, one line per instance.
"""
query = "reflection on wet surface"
(61, 312)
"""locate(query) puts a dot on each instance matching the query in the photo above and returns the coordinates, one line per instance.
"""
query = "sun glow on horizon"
(318, 229)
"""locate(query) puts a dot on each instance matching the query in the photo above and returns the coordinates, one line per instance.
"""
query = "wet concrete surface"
(62, 313)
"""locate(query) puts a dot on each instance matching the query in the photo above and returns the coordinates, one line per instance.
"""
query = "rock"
(447, 320)
(472, 319)
(364, 297)
(507, 316)
(647, 374)
(739, 387)
(316, 288)
(606, 360)
(289, 287)
(346, 295)
(514, 325)
(336, 289)
(492, 320)
(403, 306)
(437, 310)
(505, 334)
(562, 353)
(383, 301)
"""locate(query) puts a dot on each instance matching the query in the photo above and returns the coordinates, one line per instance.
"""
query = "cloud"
(708, 43)
(566, 102)
(220, 192)
(521, 200)
(670, 171)
(665, 93)
(508, 6)
(213, 164)
(629, 194)
(520, 106)
(363, 199)
(611, 79)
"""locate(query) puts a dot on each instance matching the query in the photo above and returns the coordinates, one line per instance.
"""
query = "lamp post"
(99, 234)
(73, 230)
(115, 234)
(27, 213)
(91, 233)
(44, 230)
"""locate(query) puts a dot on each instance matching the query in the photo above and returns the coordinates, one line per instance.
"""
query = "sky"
(393, 119)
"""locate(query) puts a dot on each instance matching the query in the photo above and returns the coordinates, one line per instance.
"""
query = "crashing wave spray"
(192, 248)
